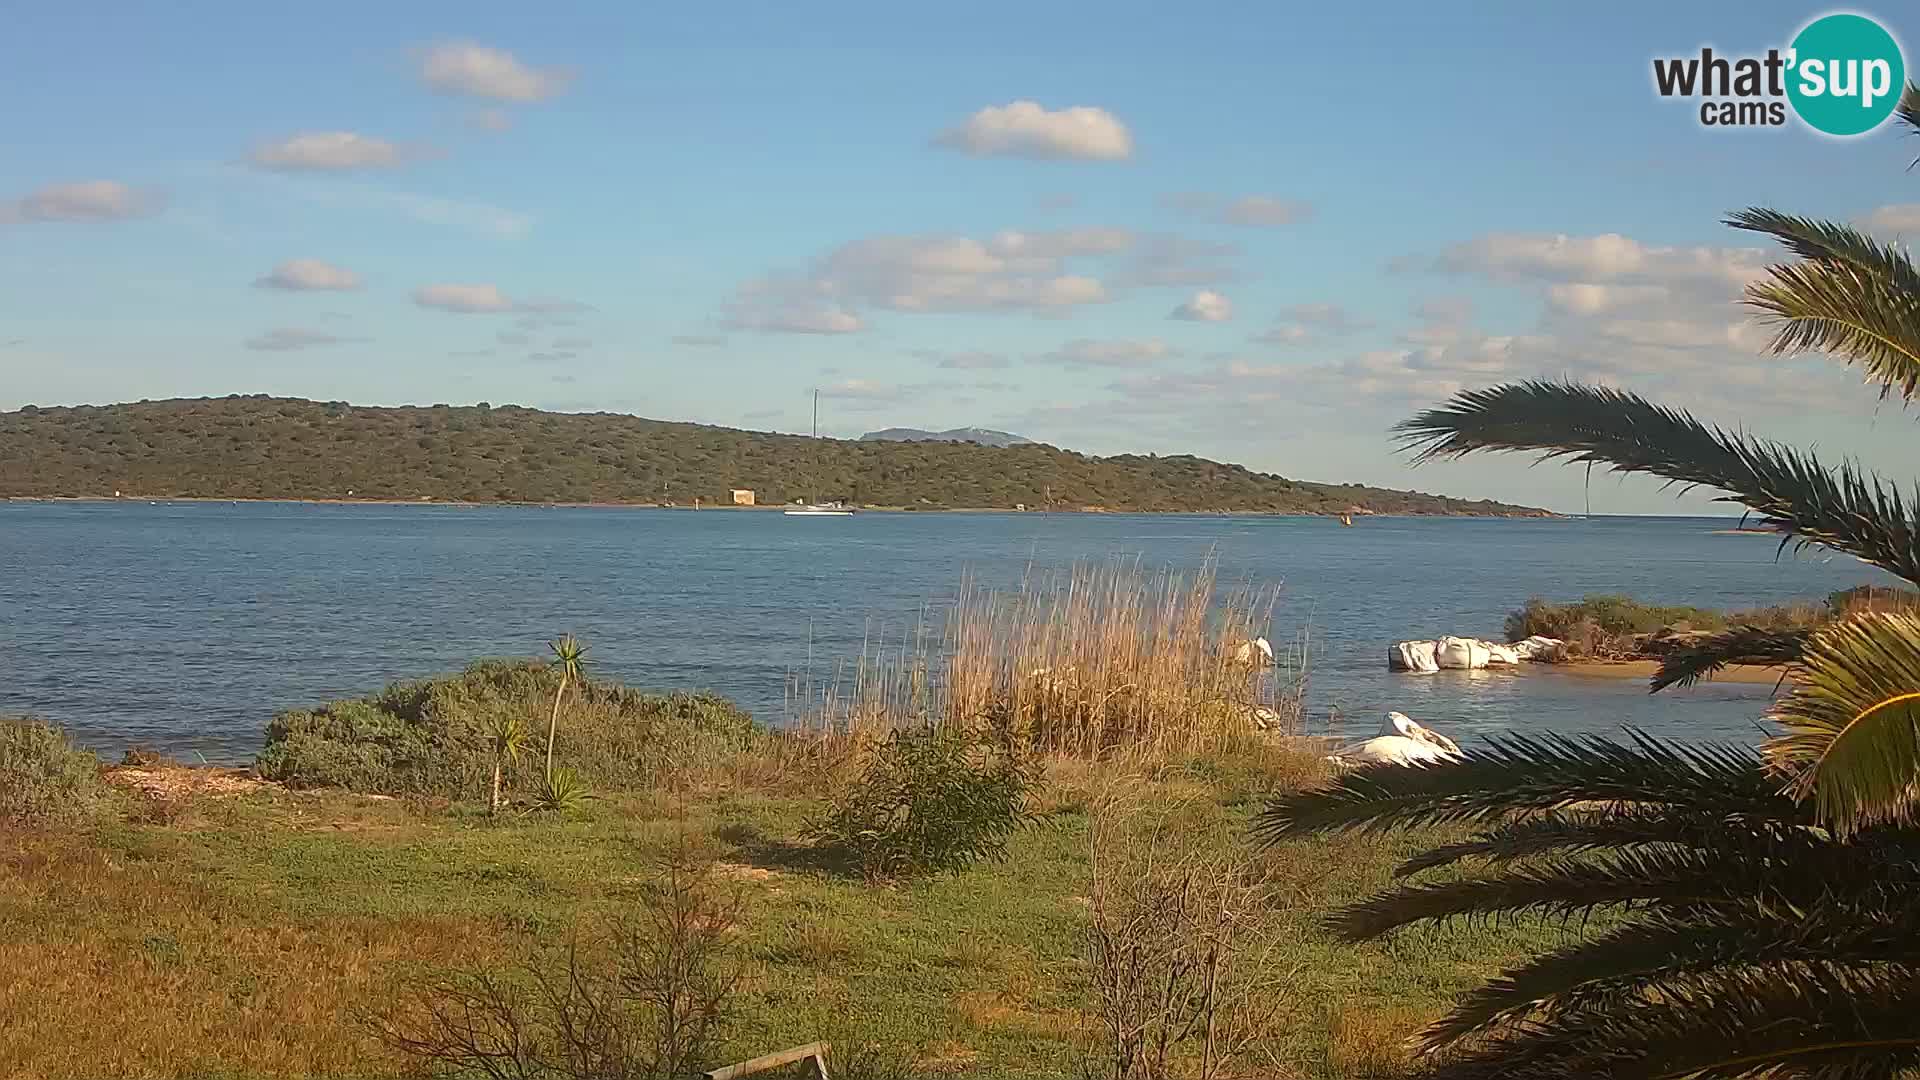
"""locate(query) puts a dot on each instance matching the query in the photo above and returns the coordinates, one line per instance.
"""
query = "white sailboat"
(827, 509)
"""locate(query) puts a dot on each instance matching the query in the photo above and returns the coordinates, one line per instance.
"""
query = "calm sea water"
(185, 626)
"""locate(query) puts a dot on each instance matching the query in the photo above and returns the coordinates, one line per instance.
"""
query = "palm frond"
(1850, 295)
(1846, 509)
(1791, 870)
(1634, 958)
(1830, 241)
(1703, 658)
(1824, 1020)
(1853, 720)
(1577, 831)
(1515, 774)
(1909, 110)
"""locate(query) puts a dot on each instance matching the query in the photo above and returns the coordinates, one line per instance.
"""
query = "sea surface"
(186, 626)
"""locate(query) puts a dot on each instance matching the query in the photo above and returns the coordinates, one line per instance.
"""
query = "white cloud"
(1250, 210)
(573, 344)
(287, 339)
(1590, 298)
(963, 361)
(864, 390)
(703, 341)
(466, 67)
(1206, 306)
(1086, 352)
(1900, 219)
(332, 151)
(1284, 334)
(84, 201)
(309, 275)
(1609, 257)
(490, 300)
(466, 299)
(470, 215)
(776, 305)
(1026, 129)
(1010, 270)
(512, 337)
(1168, 259)
(1331, 318)
(1264, 210)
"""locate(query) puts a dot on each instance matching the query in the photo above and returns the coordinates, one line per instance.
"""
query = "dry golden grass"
(1089, 662)
(1372, 1042)
(174, 979)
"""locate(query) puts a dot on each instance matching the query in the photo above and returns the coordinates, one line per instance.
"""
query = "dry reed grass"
(1088, 662)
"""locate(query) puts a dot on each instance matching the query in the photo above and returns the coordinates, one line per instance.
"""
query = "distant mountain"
(983, 436)
(262, 447)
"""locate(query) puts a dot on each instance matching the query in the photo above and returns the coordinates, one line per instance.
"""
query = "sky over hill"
(1248, 233)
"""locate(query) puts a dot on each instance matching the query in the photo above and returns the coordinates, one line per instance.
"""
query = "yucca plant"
(1767, 902)
(571, 658)
(561, 792)
(507, 739)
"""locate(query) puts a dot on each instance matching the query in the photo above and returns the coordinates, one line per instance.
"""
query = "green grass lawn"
(249, 935)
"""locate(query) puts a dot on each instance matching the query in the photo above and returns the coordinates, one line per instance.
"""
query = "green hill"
(258, 447)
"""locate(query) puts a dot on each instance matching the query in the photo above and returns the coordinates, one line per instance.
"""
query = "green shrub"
(44, 778)
(1612, 616)
(928, 802)
(433, 736)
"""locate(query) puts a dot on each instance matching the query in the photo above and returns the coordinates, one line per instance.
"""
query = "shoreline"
(1330, 514)
(1644, 669)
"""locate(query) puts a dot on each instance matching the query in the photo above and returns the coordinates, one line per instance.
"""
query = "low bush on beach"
(930, 801)
(434, 737)
(1610, 625)
(44, 778)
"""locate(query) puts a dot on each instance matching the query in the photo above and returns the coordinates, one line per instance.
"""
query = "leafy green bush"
(1609, 615)
(436, 736)
(1610, 625)
(928, 802)
(44, 778)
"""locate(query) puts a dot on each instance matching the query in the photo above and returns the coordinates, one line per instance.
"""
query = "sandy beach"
(1644, 669)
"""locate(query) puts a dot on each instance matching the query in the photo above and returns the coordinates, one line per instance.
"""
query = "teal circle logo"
(1845, 74)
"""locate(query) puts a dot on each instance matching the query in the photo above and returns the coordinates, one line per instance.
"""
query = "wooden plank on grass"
(817, 1051)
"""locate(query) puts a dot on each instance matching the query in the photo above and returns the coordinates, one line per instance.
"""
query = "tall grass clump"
(44, 778)
(1085, 662)
(440, 736)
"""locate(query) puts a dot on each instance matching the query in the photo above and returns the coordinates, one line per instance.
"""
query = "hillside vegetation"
(259, 447)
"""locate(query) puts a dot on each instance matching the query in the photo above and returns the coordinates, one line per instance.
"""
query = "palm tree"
(1740, 938)
(1767, 903)
(570, 656)
(507, 740)
(1852, 719)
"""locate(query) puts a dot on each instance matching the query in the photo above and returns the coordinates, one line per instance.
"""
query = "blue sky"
(702, 212)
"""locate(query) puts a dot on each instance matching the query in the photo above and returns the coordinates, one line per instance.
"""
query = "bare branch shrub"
(1179, 948)
(646, 999)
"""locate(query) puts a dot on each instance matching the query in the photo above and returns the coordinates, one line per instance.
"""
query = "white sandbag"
(1402, 741)
(1416, 656)
(1461, 654)
(1538, 646)
(1502, 655)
